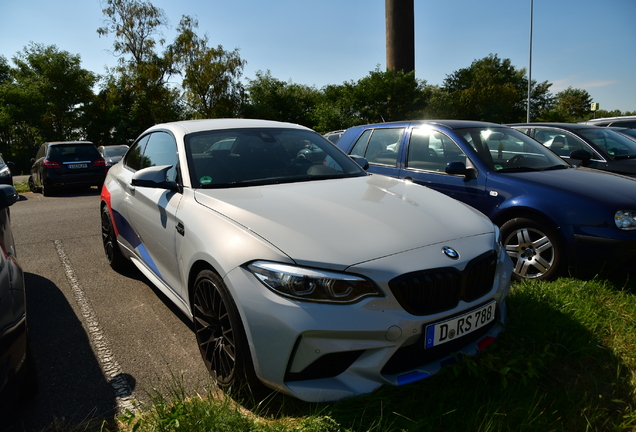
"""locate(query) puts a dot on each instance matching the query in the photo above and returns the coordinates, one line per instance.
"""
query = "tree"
(388, 95)
(43, 98)
(134, 23)
(273, 99)
(380, 96)
(139, 87)
(64, 86)
(491, 89)
(210, 75)
(573, 104)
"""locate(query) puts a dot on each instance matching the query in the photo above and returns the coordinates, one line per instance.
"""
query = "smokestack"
(400, 35)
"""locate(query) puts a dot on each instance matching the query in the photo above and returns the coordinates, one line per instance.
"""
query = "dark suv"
(66, 164)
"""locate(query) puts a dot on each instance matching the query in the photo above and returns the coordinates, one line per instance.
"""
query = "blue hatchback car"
(555, 219)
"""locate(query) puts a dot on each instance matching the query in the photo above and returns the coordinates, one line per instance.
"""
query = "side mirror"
(582, 155)
(364, 164)
(458, 168)
(154, 177)
(8, 196)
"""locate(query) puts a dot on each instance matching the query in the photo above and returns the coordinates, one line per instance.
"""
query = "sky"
(584, 44)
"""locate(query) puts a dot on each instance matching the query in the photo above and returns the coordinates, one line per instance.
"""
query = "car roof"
(612, 120)
(452, 124)
(192, 126)
(572, 126)
(68, 142)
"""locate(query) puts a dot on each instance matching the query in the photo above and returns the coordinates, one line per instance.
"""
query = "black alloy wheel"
(535, 249)
(220, 334)
(115, 258)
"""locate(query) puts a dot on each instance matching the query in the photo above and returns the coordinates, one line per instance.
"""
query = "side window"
(361, 145)
(384, 146)
(161, 150)
(134, 156)
(431, 150)
(561, 142)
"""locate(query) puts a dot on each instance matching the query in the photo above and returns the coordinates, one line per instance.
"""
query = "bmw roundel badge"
(450, 252)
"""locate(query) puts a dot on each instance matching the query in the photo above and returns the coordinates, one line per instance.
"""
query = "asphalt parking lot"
(103, 341)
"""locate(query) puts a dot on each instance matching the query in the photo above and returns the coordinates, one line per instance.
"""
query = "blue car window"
(361, 145)
(384, 146)
(431, 151)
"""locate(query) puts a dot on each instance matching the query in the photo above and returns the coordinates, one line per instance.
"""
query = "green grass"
(566, 362)
(22, 186)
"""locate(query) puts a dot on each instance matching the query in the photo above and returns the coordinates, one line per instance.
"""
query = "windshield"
(508, 150)
(245, 157)
(610, 142)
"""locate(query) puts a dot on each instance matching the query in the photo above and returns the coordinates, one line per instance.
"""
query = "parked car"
(554, 218)
(620, 121)
(628, 132)
(334, 136)
(64, 164)
(5, 172)
(112, 153)
(18, 377)
(313, 278)
(592, 146)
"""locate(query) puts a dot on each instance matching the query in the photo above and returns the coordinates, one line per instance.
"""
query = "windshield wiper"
(625, 157)
(555, 167)
(517, 169)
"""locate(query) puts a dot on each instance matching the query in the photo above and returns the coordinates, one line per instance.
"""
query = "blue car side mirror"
(459, 168)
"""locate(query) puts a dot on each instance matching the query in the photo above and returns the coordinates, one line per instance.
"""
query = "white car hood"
(338, 223)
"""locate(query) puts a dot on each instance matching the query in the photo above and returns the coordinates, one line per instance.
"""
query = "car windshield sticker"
(206, 180)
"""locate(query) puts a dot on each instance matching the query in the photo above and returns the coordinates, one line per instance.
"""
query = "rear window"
(71, 151)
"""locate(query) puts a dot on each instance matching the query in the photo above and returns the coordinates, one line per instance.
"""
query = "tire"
(535, 248)
(46, 190)
(116, 259)
(32, 187)
(221, 337)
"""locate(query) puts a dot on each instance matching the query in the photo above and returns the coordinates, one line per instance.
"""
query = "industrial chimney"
(400, 35)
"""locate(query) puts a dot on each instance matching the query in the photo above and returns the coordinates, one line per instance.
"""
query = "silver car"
(313, 278)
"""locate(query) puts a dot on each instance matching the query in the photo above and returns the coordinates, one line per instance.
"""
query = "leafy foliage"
(491, 89)
(211, 75)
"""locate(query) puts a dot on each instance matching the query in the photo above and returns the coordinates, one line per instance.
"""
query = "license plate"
(446, 331)
(76, 166)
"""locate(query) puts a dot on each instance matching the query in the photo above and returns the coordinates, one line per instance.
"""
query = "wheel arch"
(527, 213)
(196, 268)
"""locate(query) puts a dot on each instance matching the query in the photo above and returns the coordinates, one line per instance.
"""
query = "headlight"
(625, 219)
(5, 171)
(311, 284)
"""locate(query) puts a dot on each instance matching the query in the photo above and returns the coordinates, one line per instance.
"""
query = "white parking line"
(107, 362)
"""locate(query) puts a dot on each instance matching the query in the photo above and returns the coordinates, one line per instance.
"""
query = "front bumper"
(598, 250)
(325, 352)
